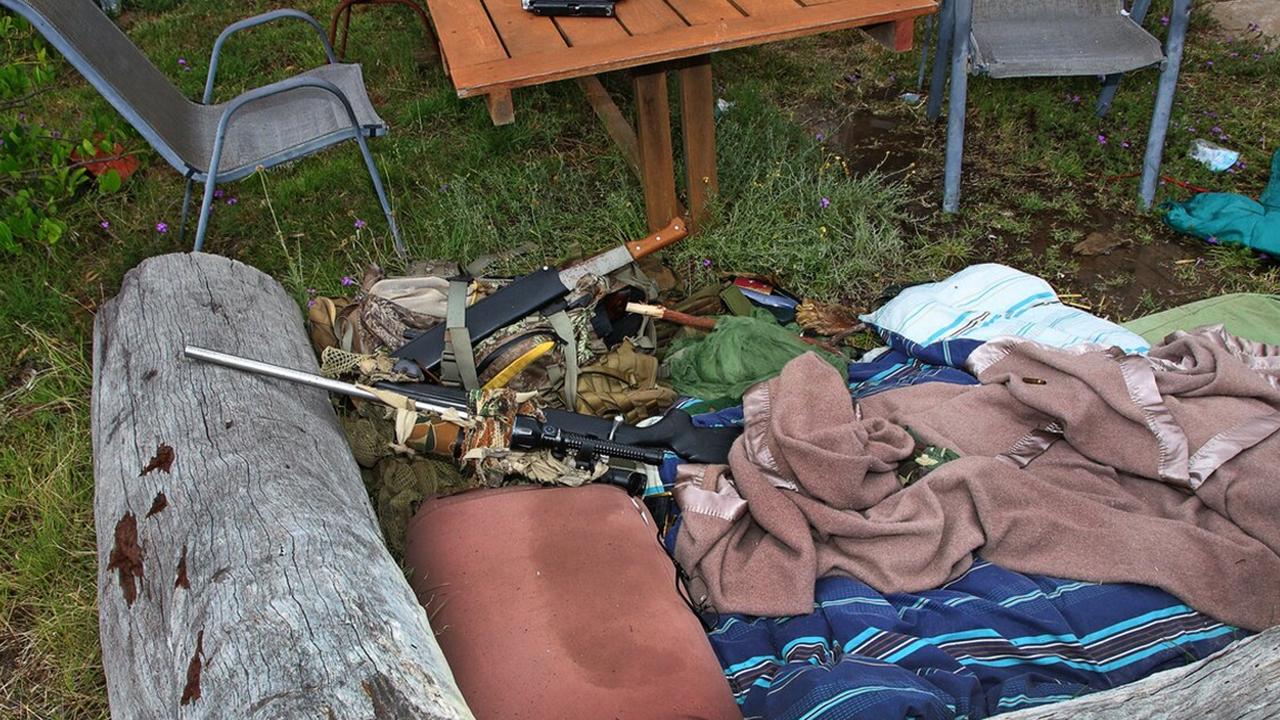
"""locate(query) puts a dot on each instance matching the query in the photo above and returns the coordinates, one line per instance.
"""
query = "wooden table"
(491, 47)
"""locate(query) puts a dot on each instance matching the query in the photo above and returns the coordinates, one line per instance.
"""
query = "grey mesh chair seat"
(282, 127)
(1063, 47)
(216, 142)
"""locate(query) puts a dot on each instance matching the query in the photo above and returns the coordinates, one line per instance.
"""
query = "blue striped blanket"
(894, 369)
(989, 642)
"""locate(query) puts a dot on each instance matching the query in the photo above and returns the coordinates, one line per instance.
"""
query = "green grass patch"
(1037, 178)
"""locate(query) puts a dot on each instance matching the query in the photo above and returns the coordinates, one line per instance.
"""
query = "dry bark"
(241, 570)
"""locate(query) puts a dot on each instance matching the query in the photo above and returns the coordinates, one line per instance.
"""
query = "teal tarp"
(1233, 219)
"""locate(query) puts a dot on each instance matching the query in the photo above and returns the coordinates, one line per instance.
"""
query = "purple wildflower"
(1125, 144)
(105, 224)
(820, 137)
(348, 281)
(1164, 20)
(162, 228)
(706, 262)
(217, 194)
(232, 201)
(1102, 139)
(1212, 240)
(361, 224)
(824, 203)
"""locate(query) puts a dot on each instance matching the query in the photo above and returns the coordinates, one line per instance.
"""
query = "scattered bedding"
(942, 322)
(1084, 464)
(1250, 315)
(896, 369)
(991, 641)
(1233, 219)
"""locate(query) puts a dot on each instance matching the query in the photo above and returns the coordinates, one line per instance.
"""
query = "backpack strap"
(564, 330)
(458, 361)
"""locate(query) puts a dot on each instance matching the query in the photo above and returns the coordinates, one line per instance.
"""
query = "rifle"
(544, 290)
(583, 437)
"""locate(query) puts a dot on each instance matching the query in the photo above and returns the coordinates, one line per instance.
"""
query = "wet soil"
(1128, 279)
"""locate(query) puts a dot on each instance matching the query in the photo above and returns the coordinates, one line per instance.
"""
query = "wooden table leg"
(697, 105)
(657, 166)
(615, 123)
(501, 109)
(898, 35)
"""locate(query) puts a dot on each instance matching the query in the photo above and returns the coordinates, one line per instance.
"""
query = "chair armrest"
(254, 21)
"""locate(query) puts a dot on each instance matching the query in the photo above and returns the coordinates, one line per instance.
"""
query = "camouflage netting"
(398, 483)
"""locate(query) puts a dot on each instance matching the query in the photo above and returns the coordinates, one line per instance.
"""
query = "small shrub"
(39, 172)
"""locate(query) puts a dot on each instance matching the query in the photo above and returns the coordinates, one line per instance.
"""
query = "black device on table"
(578, 8)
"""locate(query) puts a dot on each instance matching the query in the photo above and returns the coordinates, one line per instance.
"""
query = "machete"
(528, 295)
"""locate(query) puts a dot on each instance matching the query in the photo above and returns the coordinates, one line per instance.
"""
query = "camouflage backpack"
(542, 353)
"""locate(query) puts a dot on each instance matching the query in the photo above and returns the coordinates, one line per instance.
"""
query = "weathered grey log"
(1242, 681)
(241, 570)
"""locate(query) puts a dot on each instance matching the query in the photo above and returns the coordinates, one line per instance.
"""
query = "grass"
(1037, 179)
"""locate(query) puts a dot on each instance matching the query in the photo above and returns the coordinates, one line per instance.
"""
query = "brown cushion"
(560, 603)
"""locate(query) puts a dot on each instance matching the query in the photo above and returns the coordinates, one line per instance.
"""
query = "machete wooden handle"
(673, 232)
(672, 316)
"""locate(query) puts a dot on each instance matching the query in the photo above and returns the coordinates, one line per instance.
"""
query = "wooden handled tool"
(702, 322)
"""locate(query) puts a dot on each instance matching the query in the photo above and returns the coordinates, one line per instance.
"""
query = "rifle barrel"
(258, 367)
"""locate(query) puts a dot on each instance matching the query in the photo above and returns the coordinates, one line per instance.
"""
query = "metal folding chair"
(224, 142)
(1037, 38)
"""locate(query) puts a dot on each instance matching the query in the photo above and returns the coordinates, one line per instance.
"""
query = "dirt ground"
(1110, 271)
